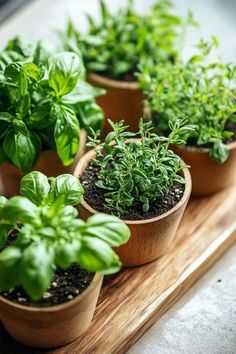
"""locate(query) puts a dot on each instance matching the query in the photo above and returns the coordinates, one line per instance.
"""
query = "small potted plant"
(51, 262)
(140, 180)
(204, 92)
(113, 49)
(44, 103)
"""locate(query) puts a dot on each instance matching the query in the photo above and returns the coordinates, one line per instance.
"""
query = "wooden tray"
(134, 299)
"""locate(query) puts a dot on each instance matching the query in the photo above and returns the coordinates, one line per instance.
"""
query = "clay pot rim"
(118, 84)
(56, 308)
(188, 186)
(204, 150)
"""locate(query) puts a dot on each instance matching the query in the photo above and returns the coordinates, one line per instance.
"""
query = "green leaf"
(66, 134)
(4, 231)
(36, 269)
(68, 187)
(67, 253)
(82, 92)
(108, 228)
(91, 115)
(219, 151)
(35, 187)
(20, 209)
(64, 72)
(22, 149)
(6, 117)
(3, 202)
(31, 70)
(9, 268)
(97, 256)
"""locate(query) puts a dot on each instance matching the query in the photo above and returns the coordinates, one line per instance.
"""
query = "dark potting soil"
(65, 285)
(94, 196)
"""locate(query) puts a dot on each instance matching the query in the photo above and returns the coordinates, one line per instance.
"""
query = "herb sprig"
(137, 171)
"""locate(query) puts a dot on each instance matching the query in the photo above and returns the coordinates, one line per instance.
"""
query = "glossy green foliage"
(44, 102)
(200, 90)
(120, 41)
(137, 172)
(52, 236)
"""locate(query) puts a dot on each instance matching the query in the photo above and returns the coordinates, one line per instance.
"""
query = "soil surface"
(94, 196)
(65, 286)
(230, 126)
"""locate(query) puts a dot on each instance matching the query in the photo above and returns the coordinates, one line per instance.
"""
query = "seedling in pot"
(49, 235)
(44, 101)
(203, 91)
(137, 172)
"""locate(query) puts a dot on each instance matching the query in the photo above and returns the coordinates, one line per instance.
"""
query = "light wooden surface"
(134, 299)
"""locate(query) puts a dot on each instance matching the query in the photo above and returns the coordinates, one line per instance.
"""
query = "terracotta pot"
(47, 163)
(208, 176)
(150, 238)
(123, 100)
(51, 326)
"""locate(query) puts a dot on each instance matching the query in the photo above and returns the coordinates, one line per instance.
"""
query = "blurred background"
(38, 17)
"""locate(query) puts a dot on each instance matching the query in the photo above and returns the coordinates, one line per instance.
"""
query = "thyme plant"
(137, 171)
(201, 90)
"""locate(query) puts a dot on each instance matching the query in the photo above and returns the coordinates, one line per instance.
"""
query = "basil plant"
(50, 235)
(44, 101)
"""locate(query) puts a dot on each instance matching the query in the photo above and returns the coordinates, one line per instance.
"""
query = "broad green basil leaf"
(108, 228)
(82, 92)
(35, 187)
(41, 117)
(3, 201)
(219, 151)
(67, 253)
(32, 71)
(64, 72)
(6, 117)
(22, 149)
(66, 134)
(90, 114)
(14, 72)
(36, 269)
(20, 209)
(23, 106)
(68, 187)
(4, 231)
(97, 256)
(9, 267)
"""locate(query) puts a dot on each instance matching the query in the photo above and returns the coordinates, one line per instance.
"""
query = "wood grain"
(133, 300)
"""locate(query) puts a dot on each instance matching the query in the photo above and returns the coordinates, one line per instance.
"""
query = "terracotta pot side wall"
(119, 103)
(46, 328)
(47, 163)
(208, 176)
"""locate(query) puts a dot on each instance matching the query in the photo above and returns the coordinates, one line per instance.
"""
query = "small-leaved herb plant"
(44, 101)
(49, 234)
(137, 171)
(201, 90)
(116, 44)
